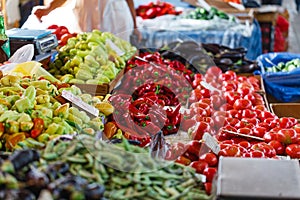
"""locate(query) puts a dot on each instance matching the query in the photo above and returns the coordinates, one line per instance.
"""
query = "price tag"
(115, 47)
(211, 143)
(81, 104)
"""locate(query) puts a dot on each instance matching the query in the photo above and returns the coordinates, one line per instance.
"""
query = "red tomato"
(187, 123)
(230, 151)
(246, 131)
(214, 70)
(199, 111)
(256, 154)
(287, 136)
(259, 131)
(205, 93)
(209, 158)
(175, 150)
(200, 129)
(231, 121)
(293, 150)
(247, 113)
(286, 122)
(241, 104)
(231, 97)
(278, 146)
(193, 147)
(205, 106)
(199, 166)
(209, 172)
(265, 114)
(216, 101)
(268, 150)
(245, 144)
(232, 74)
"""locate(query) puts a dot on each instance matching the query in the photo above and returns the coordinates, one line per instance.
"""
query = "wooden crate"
(286, 110)
(103, 89)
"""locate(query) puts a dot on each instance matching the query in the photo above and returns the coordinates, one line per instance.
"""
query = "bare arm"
(45, 11)
(132, 11)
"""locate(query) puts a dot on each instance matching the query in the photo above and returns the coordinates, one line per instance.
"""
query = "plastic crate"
(267, 36)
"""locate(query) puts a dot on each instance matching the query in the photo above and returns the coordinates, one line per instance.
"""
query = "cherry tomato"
(209, 172)
(209, 158)
(199, 166)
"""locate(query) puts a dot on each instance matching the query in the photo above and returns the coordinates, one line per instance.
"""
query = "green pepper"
(83, 75)
(26, 126)
(9, 115)
(102, 78)
(62, 111)
(12, 99)
(91, 62)
(24, 117)
(24, 104)
(52, 129)
(10, 80)
(30, 93)
(12, 126)
(42, 99)
(75, 119)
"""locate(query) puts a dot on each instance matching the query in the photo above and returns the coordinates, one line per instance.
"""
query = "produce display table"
(232, 38)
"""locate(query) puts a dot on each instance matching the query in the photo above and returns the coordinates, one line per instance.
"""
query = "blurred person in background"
(115, 16)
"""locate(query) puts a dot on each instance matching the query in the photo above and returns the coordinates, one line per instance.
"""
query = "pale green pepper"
(62, 111)
(42, 99)
(24, 117)
(52, 129)
(83, 75)
(75, 119)
(12, 126)
(41, 84)
(9, 115)
(91, 62)
(26, 126)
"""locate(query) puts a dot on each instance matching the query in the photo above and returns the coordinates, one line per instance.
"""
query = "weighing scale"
(43, 40)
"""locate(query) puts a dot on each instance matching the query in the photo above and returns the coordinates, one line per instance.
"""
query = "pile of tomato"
(231, 112)
(62, 33)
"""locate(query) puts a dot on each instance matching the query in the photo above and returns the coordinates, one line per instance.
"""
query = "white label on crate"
(78, 102)
(115, 47)
(211, 143)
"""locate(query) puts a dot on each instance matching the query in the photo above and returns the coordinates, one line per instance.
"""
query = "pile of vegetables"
(203, 14)
(30, 113)
(156, 9)
(150, 84)
(91, 57)
(284, 66)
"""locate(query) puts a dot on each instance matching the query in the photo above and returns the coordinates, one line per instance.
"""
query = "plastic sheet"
(284, 86)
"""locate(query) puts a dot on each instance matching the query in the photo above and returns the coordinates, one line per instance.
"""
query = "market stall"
(163, 30)
(102, 119)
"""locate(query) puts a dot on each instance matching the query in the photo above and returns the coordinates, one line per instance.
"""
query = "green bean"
(77, 159)
(49, 146)
(90, 160)
(161, 191)
(50, 156)
(86, 174)
(60, 148)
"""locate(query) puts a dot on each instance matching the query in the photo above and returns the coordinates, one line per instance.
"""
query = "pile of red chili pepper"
(150, 96)
(152, 10)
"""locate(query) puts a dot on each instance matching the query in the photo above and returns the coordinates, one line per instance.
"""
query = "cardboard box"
(257, 179)
(103, 89)
(286, 109)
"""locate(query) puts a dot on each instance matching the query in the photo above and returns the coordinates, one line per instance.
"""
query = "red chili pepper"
(38, 127)
(170, 129)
